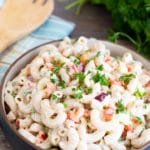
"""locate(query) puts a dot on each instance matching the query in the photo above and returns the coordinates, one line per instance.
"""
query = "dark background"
(92, 20)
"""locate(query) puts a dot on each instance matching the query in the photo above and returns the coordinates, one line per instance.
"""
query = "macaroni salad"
(75, 96)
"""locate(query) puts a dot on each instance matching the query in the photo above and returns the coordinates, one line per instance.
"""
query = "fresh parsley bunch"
(131, 20)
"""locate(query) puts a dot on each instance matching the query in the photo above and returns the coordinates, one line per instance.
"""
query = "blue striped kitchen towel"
(54, 28)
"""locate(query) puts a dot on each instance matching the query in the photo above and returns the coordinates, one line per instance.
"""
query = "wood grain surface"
(93, 21)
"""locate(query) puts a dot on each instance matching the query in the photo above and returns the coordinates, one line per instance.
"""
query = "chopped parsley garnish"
(33, 111)
(53, 80)
(101, 78)
(27, 92)
(100, 68)
(76, 61)
(61, 64)
(145, 106)
(65, 105)
(67, 69)
(109, 92)
(56, 62)
(54, 97)
(53, 77)
(137, 120)
(57, 65)
(89, 72)
(51, 74)
(73, 89)
(56, 69)
(97, 77)
(80, 76)
(89, 90)
(139, 94)
(88, 60)
(13, 94)
(78, 93)
(120, 107)
(98, 54)
(126, 78)
(62, 84)
(104, 107)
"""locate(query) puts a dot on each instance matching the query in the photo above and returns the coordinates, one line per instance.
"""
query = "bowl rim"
(2, 109)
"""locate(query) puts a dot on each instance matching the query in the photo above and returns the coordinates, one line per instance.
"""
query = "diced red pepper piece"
(108, 113)
(48, 60)
(43, 136)
(126, 129)
(17, 123)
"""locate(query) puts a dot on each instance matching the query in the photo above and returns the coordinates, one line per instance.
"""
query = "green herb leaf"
(127, 78)
(79, 76)
(76, 61)
(53, 80)
(78, 93)
(54, 97)
(73, 89)
(104, 81)
(56, 62)
(97, 77)
(89, 72)
(89, 90)
(120, 107)
(56, 69)
(57, 65)
(62, 84)
(67, 69)
(98, 54)
(65, 105)
(109, 92)
(139, 94)
(104, 107)
(100, 68)
(138, 119)
(145, 106)
(101, 78)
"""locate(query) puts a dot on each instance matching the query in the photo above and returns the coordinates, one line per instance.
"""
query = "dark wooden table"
(93, 21)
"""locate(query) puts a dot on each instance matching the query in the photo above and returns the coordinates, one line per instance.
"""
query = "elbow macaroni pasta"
(76, 96)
